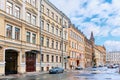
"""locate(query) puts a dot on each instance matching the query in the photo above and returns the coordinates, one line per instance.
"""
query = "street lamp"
(40, 35)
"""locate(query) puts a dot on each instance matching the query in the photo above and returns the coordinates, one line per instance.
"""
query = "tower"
(92, 37)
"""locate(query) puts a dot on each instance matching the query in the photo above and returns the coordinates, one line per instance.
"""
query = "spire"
(92, 37)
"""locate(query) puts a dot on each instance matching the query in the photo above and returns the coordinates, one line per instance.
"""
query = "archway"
(11, 61)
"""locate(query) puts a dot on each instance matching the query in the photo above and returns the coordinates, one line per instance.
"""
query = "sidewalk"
(21, 75)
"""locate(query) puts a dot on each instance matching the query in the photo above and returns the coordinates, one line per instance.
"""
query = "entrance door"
(78, 63)
(11, 62)
(30, 62)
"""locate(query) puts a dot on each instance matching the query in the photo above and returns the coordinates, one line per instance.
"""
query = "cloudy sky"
(100, 16)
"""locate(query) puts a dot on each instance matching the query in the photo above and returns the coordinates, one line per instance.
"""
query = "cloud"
(116, 32)
(100, 16)
(112, 45)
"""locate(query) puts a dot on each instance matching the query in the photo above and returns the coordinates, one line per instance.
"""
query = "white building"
(113, 57)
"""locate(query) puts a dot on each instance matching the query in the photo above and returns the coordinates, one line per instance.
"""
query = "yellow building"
(76, 47)
(20, 36)
(88, 52)
(54, 37)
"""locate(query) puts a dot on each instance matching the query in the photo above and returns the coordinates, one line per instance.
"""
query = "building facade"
(113, 57)
(88, 53)
(21, 33)
(54, 36)
(76, 47)
(100, 55)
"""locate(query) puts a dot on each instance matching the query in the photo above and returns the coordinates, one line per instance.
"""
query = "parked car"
(110, 66)
(78, 68)
(56, 70)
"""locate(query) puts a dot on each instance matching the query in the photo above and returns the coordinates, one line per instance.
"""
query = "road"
(88, 74)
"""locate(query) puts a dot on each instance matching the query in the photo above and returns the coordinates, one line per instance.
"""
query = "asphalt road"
(88, 74)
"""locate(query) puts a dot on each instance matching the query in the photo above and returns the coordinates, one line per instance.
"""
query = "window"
(56, 45)
(57, 18)
(9, 8)
(47, 27)
(42, 57)
(47, 58)
(60, 33)
(52, 15)
(52, 58)
(28, 17)
(52, 43)
(56, 58)
(42, 24)
(60, 46)
(34, 20)
(9, 31)
(42, 41)
(17, 12)
(42, 8)
(17, 33)
(47, 12)
(56, 31)
(34, 3)
(53, 29)
(29, 1)
(60, 21)
(28, 36)
(65, 47)
(65, 23)
(65, 35)
(60, 59)
(47, 42)
(33, 38)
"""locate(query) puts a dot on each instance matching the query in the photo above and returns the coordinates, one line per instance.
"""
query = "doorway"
(30, 62)
(11, 62)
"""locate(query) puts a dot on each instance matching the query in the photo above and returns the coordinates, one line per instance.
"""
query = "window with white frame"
(28, 35)
(42, 8)
(52, 15)
(47, 41)
(34, 20)
(28, 17)
(17, 11)
(33, 38)
(53, 29)
(47, 27)
(47, 12)
(56, 18)
(56, 58)
(56, 45)
(42, 40)
(34, 3)
(42, 24)
(29, 1)
(8, 31)
(9, 8)
(52, 43)
(17, 33)
(56, 31)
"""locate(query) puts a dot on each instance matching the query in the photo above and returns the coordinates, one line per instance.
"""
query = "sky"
(100, 16)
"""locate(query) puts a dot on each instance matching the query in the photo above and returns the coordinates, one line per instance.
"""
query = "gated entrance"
(11, 62)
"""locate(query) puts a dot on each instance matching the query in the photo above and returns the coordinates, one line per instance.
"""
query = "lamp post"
(40, 35)
(62, 43)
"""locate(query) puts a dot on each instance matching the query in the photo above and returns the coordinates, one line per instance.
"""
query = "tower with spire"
(92, 38)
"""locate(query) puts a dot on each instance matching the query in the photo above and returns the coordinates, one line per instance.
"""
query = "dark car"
(78, 68)
(56, 70)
